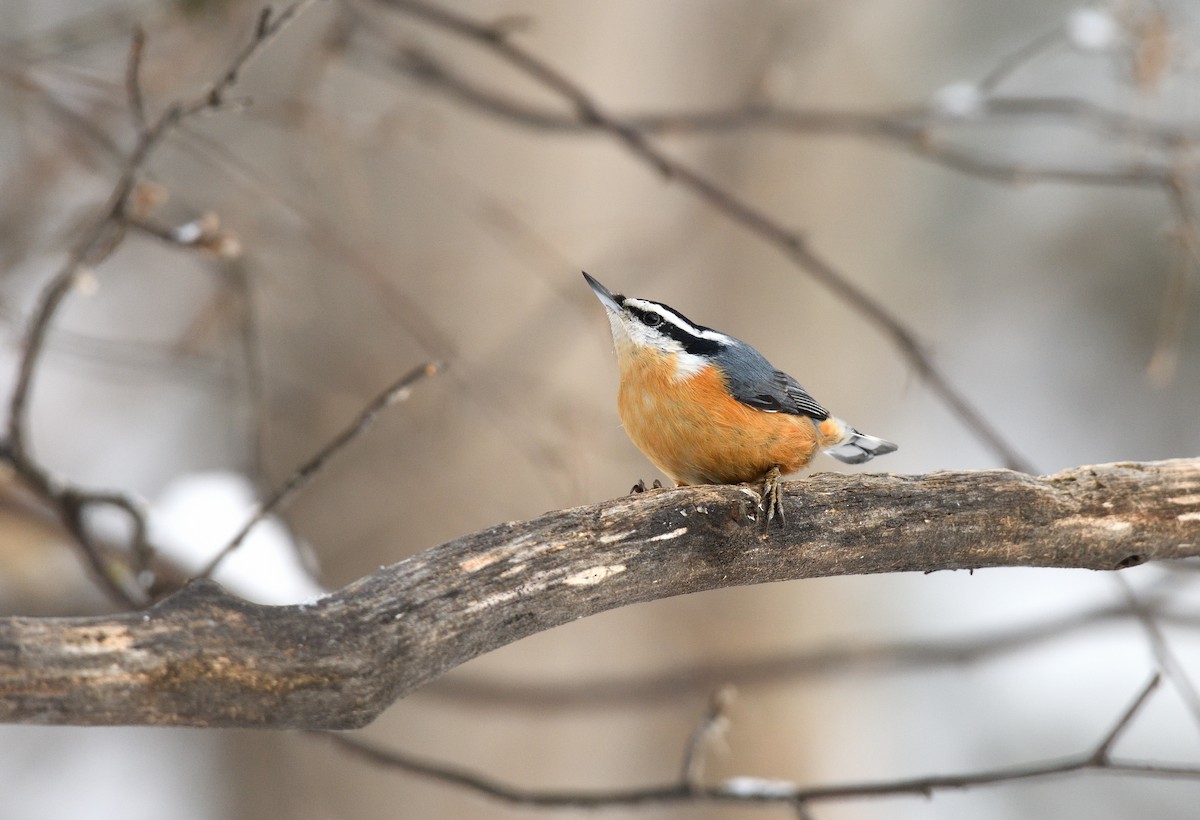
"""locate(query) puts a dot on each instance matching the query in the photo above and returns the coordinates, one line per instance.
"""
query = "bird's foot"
(772, 497)
(640, 487)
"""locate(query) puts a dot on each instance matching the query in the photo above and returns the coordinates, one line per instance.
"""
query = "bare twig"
(790, 243)
(268, 24)
(298, 480)
(1168, 662)
(1020, 58)
(1103, 753)
(758, 791)
(1165, 135)
(710, 730)
(133, 79)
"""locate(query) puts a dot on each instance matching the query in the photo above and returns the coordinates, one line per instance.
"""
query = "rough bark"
(205, 658)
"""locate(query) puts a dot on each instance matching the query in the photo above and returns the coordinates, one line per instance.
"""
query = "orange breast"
(696, 433)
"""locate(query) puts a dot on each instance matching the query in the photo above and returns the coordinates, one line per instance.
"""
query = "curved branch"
(205, 658)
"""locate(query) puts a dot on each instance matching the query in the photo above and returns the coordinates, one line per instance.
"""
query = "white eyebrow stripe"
(669, 315)
(654, 307)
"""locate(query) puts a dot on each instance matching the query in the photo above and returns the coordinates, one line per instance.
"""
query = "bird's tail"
(846, 444)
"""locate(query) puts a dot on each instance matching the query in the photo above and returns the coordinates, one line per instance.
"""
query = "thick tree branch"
(205, 658)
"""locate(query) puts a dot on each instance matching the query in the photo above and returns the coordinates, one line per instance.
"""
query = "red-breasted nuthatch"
(707, 408)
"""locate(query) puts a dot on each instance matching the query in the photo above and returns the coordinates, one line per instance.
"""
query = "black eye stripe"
(692, 343)
(696, 345)
(647, 317)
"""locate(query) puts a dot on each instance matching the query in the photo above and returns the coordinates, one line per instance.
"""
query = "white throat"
(633, 335)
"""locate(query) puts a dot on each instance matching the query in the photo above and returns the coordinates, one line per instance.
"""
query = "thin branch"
(1103, 754)
(133, 80)
(78, 502)
(205, 657)
(710, 730)
(267, 26)
(759, 791)
(1166, 658)
(1166, 135)
(791, 244)
(748, 791)
(513, 795)
(929, 785)
(1020, 58)
(400, 390)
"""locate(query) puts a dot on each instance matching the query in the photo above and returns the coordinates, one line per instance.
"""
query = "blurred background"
(385, 218)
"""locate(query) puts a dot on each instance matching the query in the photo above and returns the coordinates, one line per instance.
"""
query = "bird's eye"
(652, 319)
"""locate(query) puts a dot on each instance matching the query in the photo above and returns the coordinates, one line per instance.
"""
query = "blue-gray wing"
(756, 382)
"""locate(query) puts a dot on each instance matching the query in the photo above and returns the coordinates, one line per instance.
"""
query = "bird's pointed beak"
(612, 302)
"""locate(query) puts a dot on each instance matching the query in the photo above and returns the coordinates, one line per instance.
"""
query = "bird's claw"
(640, 487)
(772, 497)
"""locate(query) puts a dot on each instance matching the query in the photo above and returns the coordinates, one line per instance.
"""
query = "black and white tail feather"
(856, 447)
